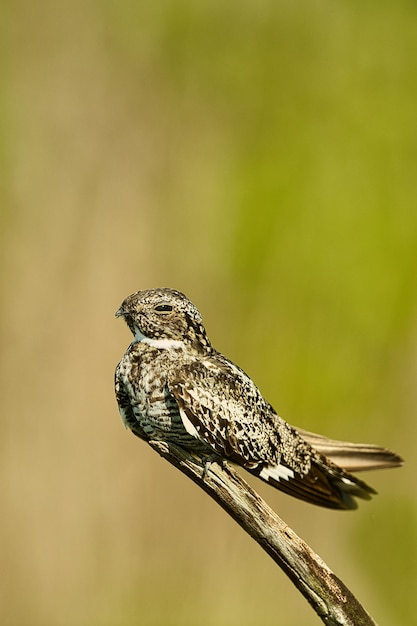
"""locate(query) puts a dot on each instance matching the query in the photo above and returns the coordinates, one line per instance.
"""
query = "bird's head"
(164, 318)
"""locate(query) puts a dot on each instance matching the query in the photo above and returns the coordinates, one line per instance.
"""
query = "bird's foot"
(213, 458)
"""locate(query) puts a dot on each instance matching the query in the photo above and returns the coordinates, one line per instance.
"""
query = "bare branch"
(329, 597)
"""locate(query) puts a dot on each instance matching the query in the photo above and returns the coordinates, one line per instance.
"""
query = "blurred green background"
(262, 158)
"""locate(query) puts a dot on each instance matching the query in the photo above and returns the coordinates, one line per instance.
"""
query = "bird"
(172, 385)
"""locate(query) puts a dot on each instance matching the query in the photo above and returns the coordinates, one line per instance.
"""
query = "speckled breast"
(144, 371)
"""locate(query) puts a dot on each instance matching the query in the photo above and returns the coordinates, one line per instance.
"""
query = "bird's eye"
(163, 308)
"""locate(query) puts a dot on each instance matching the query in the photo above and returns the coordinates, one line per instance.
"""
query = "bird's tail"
(329, 482)
(352, 457)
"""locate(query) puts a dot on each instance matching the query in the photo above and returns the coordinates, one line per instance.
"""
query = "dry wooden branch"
(329, 597)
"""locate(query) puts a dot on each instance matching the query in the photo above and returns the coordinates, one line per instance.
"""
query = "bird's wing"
(221, 405)
(226, 410)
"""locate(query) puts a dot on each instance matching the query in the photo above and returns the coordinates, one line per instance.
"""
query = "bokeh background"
(262, 158)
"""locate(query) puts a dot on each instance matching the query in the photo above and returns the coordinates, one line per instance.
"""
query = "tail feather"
(352, 457)
(329, 482)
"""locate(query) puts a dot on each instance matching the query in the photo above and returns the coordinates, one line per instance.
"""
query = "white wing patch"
(276, 472)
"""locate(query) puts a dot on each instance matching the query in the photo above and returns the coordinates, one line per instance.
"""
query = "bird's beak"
(120, 312)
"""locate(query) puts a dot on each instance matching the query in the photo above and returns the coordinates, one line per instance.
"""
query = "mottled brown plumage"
(172, 385)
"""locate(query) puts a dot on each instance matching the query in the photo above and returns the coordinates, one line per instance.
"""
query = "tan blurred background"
(262, 158)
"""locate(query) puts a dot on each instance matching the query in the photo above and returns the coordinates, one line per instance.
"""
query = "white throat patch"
(164, 344)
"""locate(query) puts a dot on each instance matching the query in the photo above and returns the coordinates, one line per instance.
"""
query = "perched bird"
(172, 385)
